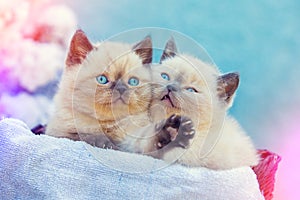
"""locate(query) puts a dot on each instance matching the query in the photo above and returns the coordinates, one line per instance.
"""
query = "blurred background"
(259, 39)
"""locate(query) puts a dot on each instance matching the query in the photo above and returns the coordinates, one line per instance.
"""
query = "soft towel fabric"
(43, 167)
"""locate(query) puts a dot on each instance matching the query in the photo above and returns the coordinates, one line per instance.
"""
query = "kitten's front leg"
(176, 131)
(98, 140)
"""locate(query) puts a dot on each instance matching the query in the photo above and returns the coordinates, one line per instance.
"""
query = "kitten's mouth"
(168, 99)
(119, 100)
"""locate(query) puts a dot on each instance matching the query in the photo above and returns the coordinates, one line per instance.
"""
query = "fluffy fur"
(197, 90)
(178, 104)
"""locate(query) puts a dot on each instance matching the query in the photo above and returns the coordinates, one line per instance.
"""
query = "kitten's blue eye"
(102, 79)
(133, 81)
(165, 76)
(190, 89)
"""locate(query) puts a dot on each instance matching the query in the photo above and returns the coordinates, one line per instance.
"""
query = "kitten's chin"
(119, 102)
(169, 101)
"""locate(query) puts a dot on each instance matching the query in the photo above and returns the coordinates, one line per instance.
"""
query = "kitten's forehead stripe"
(119, 75)
(180, 77)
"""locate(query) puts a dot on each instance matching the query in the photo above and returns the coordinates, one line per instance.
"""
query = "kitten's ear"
(227, 85)
(80, 46)
(170, 50)
(144, 50)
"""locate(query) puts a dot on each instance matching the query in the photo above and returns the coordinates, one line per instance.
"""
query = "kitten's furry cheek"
(80, 46)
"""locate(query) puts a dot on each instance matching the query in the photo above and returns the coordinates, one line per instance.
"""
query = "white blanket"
(43, 167)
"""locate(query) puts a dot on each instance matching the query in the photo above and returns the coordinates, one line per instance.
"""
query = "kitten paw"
(176, 131)
(100, 141)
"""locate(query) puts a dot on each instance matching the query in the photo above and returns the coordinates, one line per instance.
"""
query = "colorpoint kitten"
(104, 88)
(194, 89)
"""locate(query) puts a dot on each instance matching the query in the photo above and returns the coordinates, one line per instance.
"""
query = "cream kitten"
(104, 91)
(194, 89)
